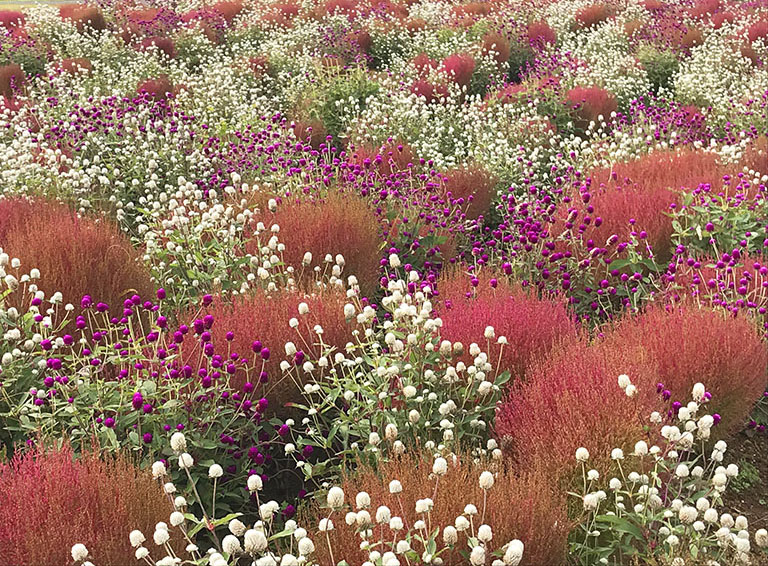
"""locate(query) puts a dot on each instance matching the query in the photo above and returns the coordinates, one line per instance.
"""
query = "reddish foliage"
(571, 399)
(83, 16)
(423, 63)
(531, 325)
(415, 24)
(76, 65)
(228, 10)
(704, 8)
(633, 26)
(471, 188)
(510, 94)
(76, 256)
(431, 92)
(520, 505)
(643, 190)
(258, 65)
(748, 52)
(164, 44)
(499, 45)
(12, 80)
(361, 39)
(653, 5)
(756, 155)
(590, 103)
(388, 159)
(264, 317)
(692, 38)
(691, 345)
(11, 18)
(459, 67)
(592, 15)
(721, 17)
(93, 501)
(312, 130)
(159, 87)
(337, 224)
(758, 30)
(540, 32)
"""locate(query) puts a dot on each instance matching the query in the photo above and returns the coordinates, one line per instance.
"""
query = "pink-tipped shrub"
(541, 33)
(163, 44)
(84, 17)
(263, 318)
(589, 103)
(11, 19)
(471, 188)
(498, 45)
(431, 92)
(459, 67)
(337, 224)
(76, 65)
(52, 500)
(758, 30)
(76, 256)
(12, 80)
(696, 345)
(571, 399)
(532, 326)
(228, 10)
(592, 15)
(158, 88)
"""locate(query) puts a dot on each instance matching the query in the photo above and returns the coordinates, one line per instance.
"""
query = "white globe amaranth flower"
(450, 535)
(335, 498)
(255, 483)
(141, 553)
(477, 556)
(514, 553)
(215, 471)
(79, 552)
(395, 487)
(237, 527)
(176, 518)
(231, 545)
(582, 454)
(486, 480)
(255, 541)
(484, 533)
(186, 461)
(158, 470)
(137, 538)
(440, 467)
(362, 500)
(161, 536)
(178, 442)
(306, 546)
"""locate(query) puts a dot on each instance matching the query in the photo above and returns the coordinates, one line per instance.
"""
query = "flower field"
(384, 283)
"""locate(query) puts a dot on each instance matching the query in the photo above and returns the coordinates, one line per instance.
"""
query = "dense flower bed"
(382, 283)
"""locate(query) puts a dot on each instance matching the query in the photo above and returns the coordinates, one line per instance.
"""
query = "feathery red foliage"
(76, 256)
(721, 17)
(520, 505)
(588, 103)
(499, 45)
(636, 196)
(592, 15)
(51, 501)
(570, 399)
(83, 16)
(510, 94)
(653, 5)
(423, 63)
(704, 8)
(159, 88)
(12, 79)
(430, 91)
(312, 130)
(691, 345)
(531, 325)
(76, 65)
(228, 10)
(758, 30)
(387, 159)
(264, 317)
(459, 67)
(540, 32)
(11, 18)
(471, 188)
(692, 38)
(756, 155)
(164, 44)
(337, 224)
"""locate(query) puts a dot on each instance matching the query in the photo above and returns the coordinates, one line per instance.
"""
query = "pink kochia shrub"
(52, 500)
(257, 327)
(532, 326)
(459, 67)
(75, 255)
(588, 104)
(572, 399)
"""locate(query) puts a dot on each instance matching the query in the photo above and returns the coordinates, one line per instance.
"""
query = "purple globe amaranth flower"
(161, 293)
(147, 438)
(717, 418)
(147, 408)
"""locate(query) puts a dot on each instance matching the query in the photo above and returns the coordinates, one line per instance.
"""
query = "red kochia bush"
(12, 79)
(228, 10)
(589, 103)
(592, 15)
(541, 33)
(692, 345)
(431, 92)
(499, 45)
(471, 188)
(337, 224)
(522, 505)
(163, 44)
(571, 398)
(50, 501)
(159, 88)
(531, 325)
(758, 30)
(76, 65)
(643, 190)
(387, 159)
(76, 256)
(11, 18)
(459, 67)
(83, 16)
(264, 317)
